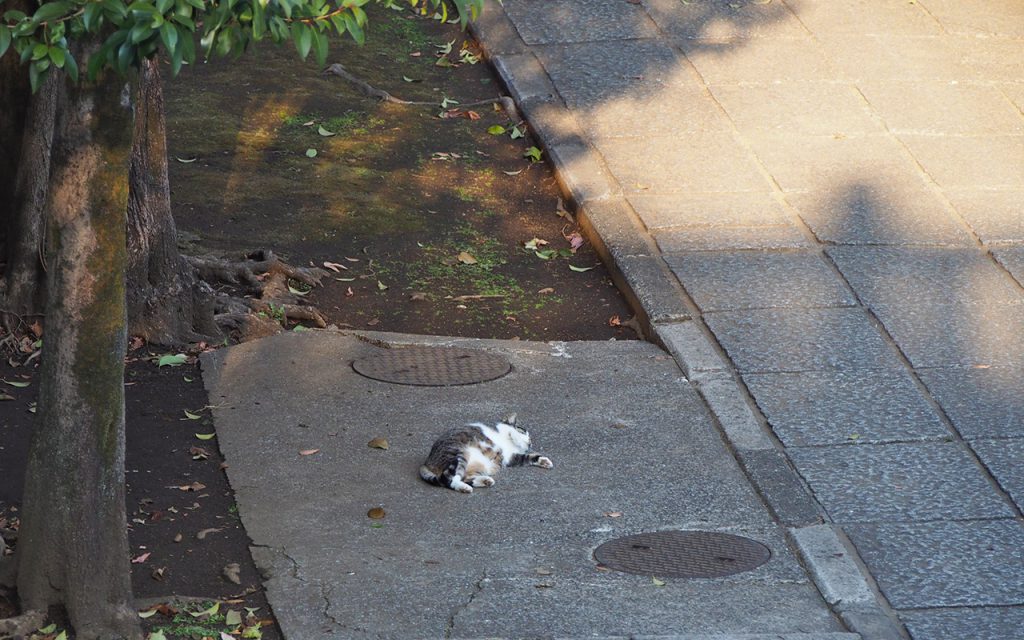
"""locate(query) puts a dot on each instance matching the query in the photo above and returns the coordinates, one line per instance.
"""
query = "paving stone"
(1012, 259)
(877, 214)
(735, 61)
(579, 171)
(837, 407)
(696, 356)
(647, 278)
(950, 334)
(936, 107)
(496, 33)
(996, 216)
(724, 20)
(1002, 457)
(811, 108)
(671, 111)
(986, 19)
(861, 58)
(944, 564)
(727, 238)
(693, 161)
(826, 163)
(904, 482)
(589, 74)
(992, 59)
(734, 413)
(661, 211)
(612, 228)
(986, 623)
(780, 487)
(981, 403)
(751, 280)
(524, 76)
(867, 17)
(987, 162)
(552, 21)
(800, 339)
(888, 275)
(1015, 92)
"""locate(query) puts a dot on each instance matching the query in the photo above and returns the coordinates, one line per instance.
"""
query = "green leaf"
(657, 582)
(50, 628)
(319, 47)
(299, 292)
(192, 416)
(355, 29)
(303, 39)
(496, 130)
(39, 51)
(71, 67)
(205, 436)
(63, 635)
(533, 154)
(579, 269)
(169, 36)
(57, 57)
(147, 614)
(233, 618)
(516, 133)
(5, 40)
(156, 635)
(311, 152)
(50, 10)
(324, 132)
(172, 360)
(212, 611)
(16, 383)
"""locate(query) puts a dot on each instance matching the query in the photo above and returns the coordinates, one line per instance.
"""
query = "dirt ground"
(429, 224)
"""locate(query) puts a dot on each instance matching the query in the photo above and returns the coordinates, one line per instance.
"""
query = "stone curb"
(835, 572)
(495, 32)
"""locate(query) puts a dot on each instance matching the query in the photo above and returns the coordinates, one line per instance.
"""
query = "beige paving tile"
(736, 61)
(875, 58)
(943, 107)
(987, 162)
(812, 108)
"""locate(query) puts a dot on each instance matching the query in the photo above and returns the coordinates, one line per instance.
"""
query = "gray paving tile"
(671, 111)
(697, 161)
(917, 481)
(1003, 457)
(866, 17)
(981, 403)
(800, 340)
(811, 108)
(590, 74)
(893, 57)
(807, 163)
(870, 213)
(889, 275)
(724, 20)
(902, 482)
(1012, 259)
(551, 21)
(985, 19)
(987, 623)
(936, 107)
(951, 334)
(837, 407)
(987, 162)
(944, 564)
(751, 280)
(996, 216)
(735, 61)
(660, 211)
(729, 238)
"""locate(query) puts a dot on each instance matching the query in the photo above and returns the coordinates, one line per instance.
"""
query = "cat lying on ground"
(469, 456)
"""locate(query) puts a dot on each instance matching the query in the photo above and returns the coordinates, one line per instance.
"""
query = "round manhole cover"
(433, 367)
(683, 554)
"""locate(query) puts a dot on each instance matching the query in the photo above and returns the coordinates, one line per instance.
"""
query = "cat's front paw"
(544, 462)
(483, 481)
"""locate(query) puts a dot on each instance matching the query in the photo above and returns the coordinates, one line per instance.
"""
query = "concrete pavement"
(819, 207)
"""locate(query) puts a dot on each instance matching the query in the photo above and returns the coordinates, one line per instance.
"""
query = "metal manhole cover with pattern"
(432, 366)
(683, 554)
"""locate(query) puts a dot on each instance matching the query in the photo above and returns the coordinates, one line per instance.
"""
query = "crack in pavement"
(478, 588)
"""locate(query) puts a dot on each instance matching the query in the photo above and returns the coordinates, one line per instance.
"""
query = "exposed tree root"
(370, 91)
(19, 627)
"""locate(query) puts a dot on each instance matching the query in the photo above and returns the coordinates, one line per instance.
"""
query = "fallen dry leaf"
(205, 532)
(349, 292)
(418, 296)
(466, 258)
(195, 486)
(378, 443)
(178, 537)
(375, 513)
(546, 290)
(141, 558)
(231, 573)
(335, 267)
(159, 574)
(614, 321)
(658, 583)
(308, 452)
(613, 514)
(542, 571)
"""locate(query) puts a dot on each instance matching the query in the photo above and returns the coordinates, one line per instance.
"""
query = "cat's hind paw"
(482, 481)
(544, 462)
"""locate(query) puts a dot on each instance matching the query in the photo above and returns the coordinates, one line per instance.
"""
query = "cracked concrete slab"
(629, 437)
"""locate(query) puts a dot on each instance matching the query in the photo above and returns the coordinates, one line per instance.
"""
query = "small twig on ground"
(370, 91)
(479, 297)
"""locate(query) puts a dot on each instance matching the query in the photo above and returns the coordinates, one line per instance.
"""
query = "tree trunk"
(73, 543)
(167, 304)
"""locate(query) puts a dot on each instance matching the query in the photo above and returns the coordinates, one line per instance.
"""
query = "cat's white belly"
(479, 463)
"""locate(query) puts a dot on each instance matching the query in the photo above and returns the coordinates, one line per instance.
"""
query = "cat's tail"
(431, 477)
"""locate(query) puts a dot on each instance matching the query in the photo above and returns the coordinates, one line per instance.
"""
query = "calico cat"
(467, 457)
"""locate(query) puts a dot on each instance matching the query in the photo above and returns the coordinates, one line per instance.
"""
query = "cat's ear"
(510, 420)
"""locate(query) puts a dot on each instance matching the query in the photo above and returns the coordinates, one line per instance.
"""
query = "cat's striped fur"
(469, 456)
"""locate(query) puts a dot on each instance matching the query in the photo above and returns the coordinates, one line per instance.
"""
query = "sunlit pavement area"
(820, 205)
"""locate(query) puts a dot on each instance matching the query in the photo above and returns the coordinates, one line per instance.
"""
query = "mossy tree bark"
(73, 545)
